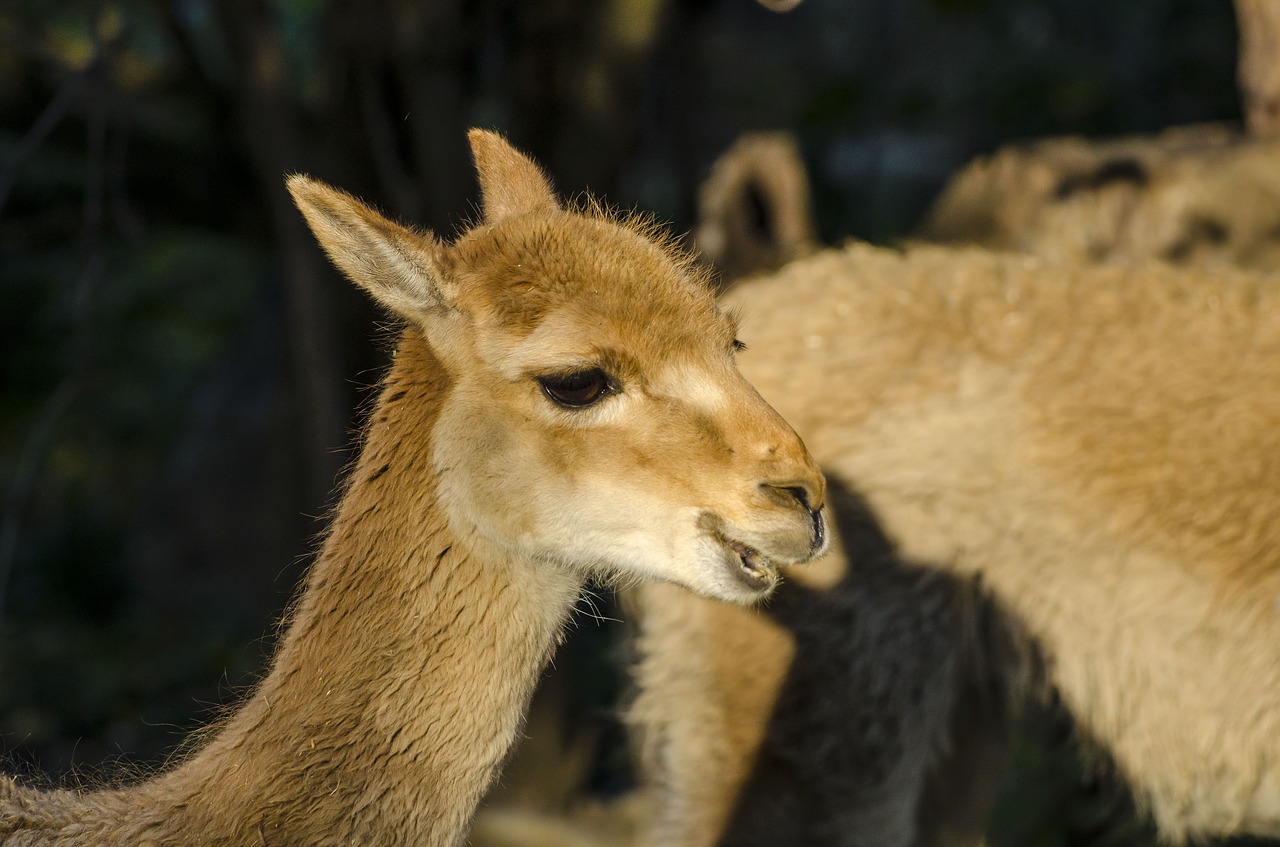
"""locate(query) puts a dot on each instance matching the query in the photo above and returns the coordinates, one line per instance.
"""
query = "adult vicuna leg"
(563, 401)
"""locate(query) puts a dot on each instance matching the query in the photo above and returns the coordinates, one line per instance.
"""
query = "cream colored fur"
(1074, 465)
(753, 208)
(477, 508)
(1200, 195)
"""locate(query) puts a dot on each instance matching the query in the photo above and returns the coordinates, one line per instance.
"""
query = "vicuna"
(563, 402)
(1042, 476)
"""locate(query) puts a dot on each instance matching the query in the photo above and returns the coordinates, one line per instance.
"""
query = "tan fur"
(1259, 72)
(475, 511)
(1072, 463)
(753, 209)
(1200, 195)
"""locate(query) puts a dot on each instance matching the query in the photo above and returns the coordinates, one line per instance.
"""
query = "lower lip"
(757, 577)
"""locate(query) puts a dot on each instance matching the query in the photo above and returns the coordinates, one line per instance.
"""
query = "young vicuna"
(563, 402)
(1030, 463)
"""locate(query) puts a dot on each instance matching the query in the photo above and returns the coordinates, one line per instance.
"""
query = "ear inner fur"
(398, 267)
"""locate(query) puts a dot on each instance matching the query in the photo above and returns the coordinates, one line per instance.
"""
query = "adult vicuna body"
(1055, 463)
(563, 401)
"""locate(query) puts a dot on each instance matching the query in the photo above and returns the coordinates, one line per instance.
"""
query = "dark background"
(180, 367)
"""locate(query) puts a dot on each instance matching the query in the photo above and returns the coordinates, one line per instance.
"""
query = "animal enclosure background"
(182, 371)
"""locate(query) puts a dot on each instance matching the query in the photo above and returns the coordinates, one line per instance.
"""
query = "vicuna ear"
(398, 266)
(510, 183)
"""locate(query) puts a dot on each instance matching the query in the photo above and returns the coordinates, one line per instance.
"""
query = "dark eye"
(738, 346)
(576, 390)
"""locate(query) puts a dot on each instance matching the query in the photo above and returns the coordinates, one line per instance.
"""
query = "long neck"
(399, 686)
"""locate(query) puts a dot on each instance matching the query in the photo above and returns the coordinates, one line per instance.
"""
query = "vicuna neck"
(401, 682)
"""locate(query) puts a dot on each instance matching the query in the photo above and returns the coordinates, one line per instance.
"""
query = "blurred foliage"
(179, 367)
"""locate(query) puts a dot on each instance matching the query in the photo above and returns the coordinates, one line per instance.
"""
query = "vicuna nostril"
(802, 496)
(799, 493)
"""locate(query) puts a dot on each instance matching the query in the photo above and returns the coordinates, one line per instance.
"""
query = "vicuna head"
(595, 418)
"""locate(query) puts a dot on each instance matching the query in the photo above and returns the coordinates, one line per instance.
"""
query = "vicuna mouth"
(753, 567)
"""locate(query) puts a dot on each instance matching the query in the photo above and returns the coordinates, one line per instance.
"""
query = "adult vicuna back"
(1075, 459)
(563, 401)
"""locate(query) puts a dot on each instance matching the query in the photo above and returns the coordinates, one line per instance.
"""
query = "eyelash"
(738, 346)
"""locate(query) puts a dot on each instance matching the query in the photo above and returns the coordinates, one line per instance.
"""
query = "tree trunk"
(1259, 22)
(273, 137)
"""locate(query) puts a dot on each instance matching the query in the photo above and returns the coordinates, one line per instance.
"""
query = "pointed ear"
(399, 267)
(510, 183)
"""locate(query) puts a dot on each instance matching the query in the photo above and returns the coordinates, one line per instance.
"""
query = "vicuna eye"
(577, 390)
(738, 345)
